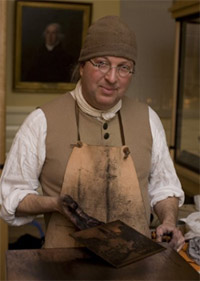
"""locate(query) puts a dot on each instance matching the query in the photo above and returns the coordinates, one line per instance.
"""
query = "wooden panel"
(80, 264)
(175, 86)
(3, 226)
(3, 248)
(182, 8)
(2, 78)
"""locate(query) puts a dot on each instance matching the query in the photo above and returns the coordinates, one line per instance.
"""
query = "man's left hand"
(177, 240)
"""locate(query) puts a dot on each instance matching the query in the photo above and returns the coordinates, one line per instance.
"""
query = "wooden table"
(80, 264)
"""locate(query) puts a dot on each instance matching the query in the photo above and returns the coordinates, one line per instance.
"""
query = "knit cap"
(109, 36)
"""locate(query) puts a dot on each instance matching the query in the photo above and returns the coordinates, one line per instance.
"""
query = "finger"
(180, 244)
(158, 238)
(180, 247)
(160, 232)
(177, 243)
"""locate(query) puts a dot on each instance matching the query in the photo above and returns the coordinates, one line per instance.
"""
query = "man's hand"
(167, 212)
(69, 208)
(177, 240)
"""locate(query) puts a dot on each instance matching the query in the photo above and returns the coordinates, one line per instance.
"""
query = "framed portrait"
(48, 39)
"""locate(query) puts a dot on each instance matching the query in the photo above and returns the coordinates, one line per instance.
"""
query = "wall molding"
(15, 115)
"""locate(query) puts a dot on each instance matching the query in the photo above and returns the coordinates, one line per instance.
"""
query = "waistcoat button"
(105, 126)
(106, 136)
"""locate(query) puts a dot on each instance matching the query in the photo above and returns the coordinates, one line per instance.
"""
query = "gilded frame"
(31, 19)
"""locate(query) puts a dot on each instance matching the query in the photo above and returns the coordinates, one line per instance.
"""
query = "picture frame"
(48, 39)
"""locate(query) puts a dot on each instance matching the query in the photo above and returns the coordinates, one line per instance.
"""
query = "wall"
(155, 77)
(155, 32)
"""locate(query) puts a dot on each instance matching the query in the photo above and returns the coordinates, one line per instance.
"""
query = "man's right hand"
(69, 208)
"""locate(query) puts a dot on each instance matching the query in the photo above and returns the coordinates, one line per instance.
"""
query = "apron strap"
(119, 118)
(77, 121)
(121, 128)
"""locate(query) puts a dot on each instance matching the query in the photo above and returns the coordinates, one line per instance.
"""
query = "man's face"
(104, 90)
(51, 35)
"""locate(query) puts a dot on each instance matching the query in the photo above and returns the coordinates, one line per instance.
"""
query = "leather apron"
(103, 181)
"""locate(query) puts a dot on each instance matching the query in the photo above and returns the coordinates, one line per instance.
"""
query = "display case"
(185, 140)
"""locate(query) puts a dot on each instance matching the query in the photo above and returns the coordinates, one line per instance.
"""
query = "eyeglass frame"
(118, 67)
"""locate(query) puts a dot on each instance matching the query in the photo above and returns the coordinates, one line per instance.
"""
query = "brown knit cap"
(109, 36)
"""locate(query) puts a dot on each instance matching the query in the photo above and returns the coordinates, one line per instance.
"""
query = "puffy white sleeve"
(23, 166)
(163, 181)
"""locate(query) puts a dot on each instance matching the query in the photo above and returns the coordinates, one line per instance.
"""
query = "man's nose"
(111, 75)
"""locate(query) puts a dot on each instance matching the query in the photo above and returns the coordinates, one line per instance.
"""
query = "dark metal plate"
(117, 243)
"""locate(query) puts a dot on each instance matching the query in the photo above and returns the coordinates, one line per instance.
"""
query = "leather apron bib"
(103, 181)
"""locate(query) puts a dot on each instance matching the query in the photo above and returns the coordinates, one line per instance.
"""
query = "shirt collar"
(88, 109)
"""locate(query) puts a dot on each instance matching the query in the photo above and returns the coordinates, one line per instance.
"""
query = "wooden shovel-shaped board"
(117, 243)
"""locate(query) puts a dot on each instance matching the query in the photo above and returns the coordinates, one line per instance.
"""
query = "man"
(106, 151)
(51, 63)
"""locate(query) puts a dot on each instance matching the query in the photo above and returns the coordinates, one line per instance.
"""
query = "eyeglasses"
(123, 70)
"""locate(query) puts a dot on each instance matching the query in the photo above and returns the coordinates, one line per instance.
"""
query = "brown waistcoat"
(62, 134)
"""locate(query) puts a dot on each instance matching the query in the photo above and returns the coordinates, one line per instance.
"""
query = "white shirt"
(27, 155)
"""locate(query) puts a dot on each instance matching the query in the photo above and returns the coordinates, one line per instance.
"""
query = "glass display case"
(185, 140)
(187, 134)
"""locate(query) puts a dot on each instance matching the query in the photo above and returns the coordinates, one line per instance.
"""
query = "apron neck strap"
(119, 118)
(121, 128)
(77, 120)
